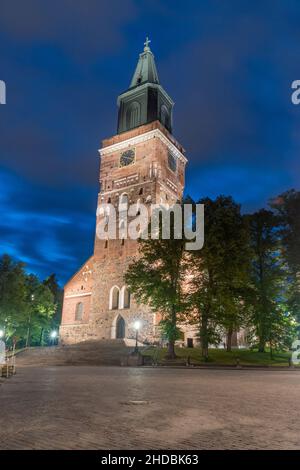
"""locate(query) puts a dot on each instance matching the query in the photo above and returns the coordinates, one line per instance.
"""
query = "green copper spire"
(145, 71)
(145, 100)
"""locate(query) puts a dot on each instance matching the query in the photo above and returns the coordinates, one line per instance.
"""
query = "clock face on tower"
(127, 157)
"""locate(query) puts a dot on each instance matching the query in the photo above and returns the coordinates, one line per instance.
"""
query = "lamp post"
(2, 347)
(136, 325)
(29, 323)
(53, 336)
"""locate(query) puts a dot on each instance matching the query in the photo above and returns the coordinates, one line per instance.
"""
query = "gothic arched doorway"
(120, 328)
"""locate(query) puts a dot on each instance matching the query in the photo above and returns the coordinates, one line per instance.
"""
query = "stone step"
(102, 352)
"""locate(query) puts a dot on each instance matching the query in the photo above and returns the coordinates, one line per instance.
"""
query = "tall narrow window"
(165, 117)
(114, 298)
(123, 208)
(133, 115)
(126, 298)
(123, 201)
(79, 311)
(172, 163)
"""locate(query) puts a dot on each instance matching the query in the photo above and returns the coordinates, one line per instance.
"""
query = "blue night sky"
(228, 65)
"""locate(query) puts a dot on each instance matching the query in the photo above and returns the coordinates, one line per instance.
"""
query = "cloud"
(249, 185)
(50, 231)
(228, 66)
(82, 29)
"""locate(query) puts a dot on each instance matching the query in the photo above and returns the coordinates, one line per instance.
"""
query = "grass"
(222, 357)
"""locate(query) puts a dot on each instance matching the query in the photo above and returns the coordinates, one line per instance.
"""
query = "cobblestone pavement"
(132, 408)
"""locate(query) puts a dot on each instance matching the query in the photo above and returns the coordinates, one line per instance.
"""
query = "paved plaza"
(90, 407)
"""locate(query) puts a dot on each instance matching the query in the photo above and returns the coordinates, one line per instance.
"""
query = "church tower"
(145, 101)
(142, 163)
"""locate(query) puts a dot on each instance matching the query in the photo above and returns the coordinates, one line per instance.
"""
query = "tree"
(26, 305)
(40, 309)
(12, 293)
(52, 284)
(287, 207)
(269, 275)
(221, 272)
(156, 277)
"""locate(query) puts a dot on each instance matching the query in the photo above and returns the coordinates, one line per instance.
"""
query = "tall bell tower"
(141, 163)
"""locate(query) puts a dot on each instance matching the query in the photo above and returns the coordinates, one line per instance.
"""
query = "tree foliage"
(156, 279)
(221, 272)
(287, 207)
(270, 280)
(27, 305)
(245, 276)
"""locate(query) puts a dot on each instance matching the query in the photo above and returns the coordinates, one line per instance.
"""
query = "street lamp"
(53, 336)
(29, 322)
(136, 326)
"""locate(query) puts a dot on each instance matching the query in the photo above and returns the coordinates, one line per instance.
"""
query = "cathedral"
(141, 163)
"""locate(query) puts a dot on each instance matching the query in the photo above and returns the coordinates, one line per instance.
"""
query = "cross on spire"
(146, 44)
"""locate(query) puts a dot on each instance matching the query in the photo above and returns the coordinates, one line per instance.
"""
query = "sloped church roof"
(145, 71)
(145, 100)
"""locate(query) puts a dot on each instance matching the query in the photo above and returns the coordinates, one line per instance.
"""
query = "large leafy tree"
(271, 318)
(27, 306)
(156, 279)
(287, 207)
(39, 312)
(221, 272)
(12, 293)
(52, 284)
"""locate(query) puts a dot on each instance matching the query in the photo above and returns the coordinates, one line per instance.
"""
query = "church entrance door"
(120, 333)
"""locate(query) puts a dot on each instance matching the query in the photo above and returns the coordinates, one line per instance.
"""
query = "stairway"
(102, 352)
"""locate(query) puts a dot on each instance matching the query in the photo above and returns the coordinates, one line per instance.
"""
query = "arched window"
(123, 199)
(165, 117)
(114, 298)
(133, 115)
(79, 311)
(126, 298)
(123, 204)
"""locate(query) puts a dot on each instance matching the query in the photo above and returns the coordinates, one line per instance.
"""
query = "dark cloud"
(49, 230)
(228, 66)
(81, 29)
